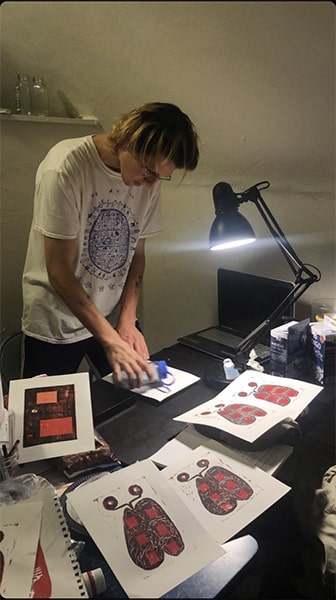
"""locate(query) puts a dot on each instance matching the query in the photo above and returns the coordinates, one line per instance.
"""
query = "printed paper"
(19, 535)
(149, 538)
(252, 404)
(269, 459)
(182, 380)
(221, 492)
(53, 416)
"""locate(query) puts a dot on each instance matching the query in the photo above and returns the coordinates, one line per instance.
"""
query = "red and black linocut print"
(49, 415)
(148, 530)
(246, 414)
(219, 489)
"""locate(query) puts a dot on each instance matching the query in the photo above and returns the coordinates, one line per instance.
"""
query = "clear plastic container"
(40, 97)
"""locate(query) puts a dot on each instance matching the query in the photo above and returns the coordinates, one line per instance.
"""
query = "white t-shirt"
(78, 197)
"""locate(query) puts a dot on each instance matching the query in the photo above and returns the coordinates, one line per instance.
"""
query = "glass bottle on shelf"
(23, 94)
(39, 97)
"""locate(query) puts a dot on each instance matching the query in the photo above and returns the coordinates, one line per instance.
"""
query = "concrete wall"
(258, 80)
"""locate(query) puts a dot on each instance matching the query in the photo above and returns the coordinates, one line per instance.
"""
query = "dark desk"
(135, 433)
(144, 426)
(209, 582)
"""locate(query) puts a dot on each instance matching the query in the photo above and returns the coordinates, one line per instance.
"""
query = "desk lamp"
(231, 229)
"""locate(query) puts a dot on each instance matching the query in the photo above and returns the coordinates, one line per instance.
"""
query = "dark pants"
(42, 358)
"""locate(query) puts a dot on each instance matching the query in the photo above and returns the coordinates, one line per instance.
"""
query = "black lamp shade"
(230, 229)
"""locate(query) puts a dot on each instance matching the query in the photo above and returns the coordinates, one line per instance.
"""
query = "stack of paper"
(157, 528)
(36, 559)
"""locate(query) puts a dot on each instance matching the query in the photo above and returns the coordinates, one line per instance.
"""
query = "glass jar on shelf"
(23, 94)
(39, 97)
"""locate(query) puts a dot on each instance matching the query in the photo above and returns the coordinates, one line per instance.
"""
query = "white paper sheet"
(149, 538)
(182, 380)
(252, 404)
(19, 535)
(56, 571)
(222, 493)
(52, 416)
(268, 460)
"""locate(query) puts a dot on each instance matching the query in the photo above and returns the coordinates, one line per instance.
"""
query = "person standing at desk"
(96, 200)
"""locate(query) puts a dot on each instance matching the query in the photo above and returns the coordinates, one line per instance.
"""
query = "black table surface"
(136, 427)
(206, 583)
(139, 426)
(142, 426)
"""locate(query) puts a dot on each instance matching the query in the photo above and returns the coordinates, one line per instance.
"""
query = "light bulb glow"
(233, 244)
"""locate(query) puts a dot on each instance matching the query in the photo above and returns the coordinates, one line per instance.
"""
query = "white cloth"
(78, 197)
(326, 531)
(318, 579)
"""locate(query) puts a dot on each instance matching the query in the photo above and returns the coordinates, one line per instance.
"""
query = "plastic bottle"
(39, 97)
(23, 94)
(162, 376)
(229, 369)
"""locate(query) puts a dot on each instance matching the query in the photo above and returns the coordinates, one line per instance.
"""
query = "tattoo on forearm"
(138, 281)
(86, 301)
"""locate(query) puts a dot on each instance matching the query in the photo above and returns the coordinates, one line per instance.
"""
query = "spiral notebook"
(38, 561)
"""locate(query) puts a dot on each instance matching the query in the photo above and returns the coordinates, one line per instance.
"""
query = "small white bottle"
(23, 95)
(40, 97)
(229, 369)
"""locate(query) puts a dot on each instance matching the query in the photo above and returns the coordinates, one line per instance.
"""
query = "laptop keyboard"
(222, 337)
(232, 341)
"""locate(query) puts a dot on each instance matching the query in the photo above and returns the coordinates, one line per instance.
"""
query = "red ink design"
(219, 489)
(278, 394)
(56, 426)
(148, 530)
(41, 587)
(241, 414)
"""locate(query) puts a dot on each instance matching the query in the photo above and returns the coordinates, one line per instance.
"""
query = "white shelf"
(89, 120)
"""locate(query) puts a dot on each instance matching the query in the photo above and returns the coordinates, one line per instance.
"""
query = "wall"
(180, 285)
(23, 147)
(258, 80)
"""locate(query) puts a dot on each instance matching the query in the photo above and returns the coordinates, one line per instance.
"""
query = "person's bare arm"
(129, 302)
(60, 260)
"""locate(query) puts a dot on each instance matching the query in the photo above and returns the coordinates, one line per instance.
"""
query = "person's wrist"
(109, 338)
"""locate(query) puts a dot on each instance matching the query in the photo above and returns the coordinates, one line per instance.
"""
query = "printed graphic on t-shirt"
(110, 239)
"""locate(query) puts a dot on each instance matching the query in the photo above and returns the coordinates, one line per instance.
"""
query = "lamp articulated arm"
(250, 341)
(304, 276)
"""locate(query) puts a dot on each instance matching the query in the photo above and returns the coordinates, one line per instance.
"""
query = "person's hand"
(134, 338)
(123, 358)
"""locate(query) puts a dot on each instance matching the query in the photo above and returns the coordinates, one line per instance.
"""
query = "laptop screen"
(245, 301)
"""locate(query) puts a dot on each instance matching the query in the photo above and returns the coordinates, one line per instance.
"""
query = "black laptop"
(244, 302)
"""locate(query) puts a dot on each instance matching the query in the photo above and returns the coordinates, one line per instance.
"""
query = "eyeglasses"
(152, 176)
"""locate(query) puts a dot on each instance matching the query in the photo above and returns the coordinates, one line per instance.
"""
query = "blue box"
(289, 349)
(322, 352)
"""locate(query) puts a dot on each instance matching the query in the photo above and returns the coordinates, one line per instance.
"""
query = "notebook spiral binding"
(71, 553)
